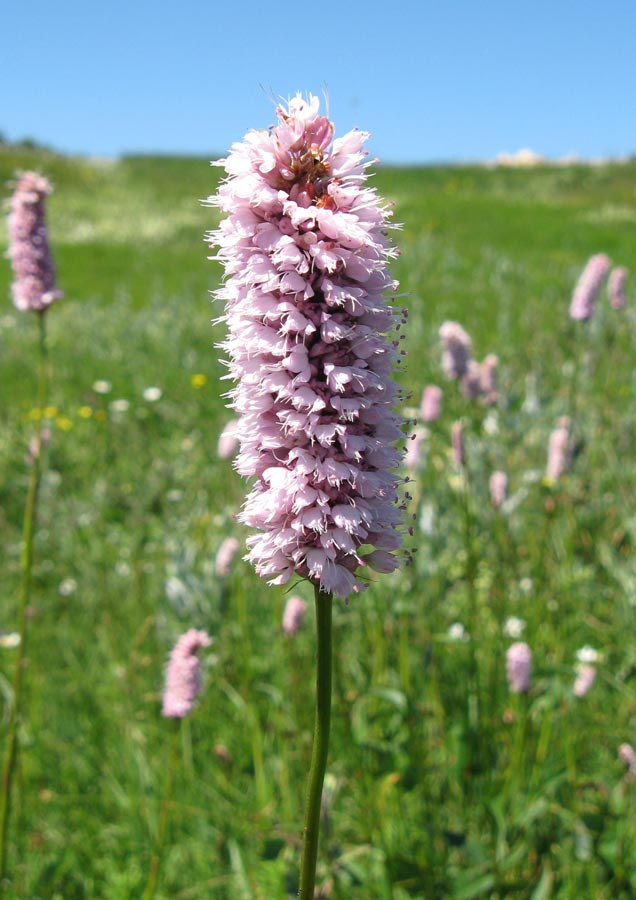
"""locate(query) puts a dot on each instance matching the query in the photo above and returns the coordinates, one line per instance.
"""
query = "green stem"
(473, 711)
(309, 856)
(153, 874)
(26, 568)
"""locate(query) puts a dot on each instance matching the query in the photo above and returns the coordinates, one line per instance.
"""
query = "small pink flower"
(628, 755)
(589, 286)
(456, 349)
(498, 487)
(36, 444)
(519, 667)
(559, 450)
(294, 615)
(33, 287)
(183, 674)
(488, 379)
(471, 380)
(225, 557)
(585, 675)
(616, 287)
(431, 405)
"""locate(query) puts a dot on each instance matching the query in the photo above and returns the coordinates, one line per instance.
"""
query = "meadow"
(441, 783)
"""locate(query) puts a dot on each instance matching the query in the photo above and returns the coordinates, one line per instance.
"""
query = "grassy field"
(441, 784)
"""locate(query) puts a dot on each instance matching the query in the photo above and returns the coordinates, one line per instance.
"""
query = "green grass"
(440, 783)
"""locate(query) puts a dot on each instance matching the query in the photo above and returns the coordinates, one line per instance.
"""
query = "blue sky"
(431, 80)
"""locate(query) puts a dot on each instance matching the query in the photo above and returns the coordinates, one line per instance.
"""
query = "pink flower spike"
(294, 615)
(498, 487)
(616, 287)
(225, 557)
(488, 380)
(456, 350)
(183, 674)
(585, 676)
(431, 405)
(589, 286)
(559, 450)
(519, 667)
(33, 287)
(471, 380)
(305, 249)
(627, 754)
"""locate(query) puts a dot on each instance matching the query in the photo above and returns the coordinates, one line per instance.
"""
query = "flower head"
(431, 405)
(585, 677)
(519, 667)
(305, 249)
(488, 379)
(589, 286)
(587, 654)
(183, 674)
(616, 287)
(34, 274)
(456, 349)
(152, 394)
(225, 557)
(559, 450)
(294, 615)
(471, 380)
(628, 755)
(514, 627)
(498, 484)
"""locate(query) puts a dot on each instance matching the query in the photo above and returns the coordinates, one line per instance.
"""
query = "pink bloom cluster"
(559, 450)
(225, 557)
(33, 287)
(628, 755)
(431, 403)
(478, 381)
(616, 287)
(305, 249)
(519, 667)
(589, 286)
(183, 674)
(585, 678)
(498, 484)
(294, 615)
(456, 349)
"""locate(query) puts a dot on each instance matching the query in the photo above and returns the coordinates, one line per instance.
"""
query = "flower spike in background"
(519, 667)
(589, 286)
(616, 287)
(33, 290)
(33, 287)
(183, 675)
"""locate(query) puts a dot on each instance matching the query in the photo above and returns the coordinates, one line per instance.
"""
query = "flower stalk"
(153, 874)
(26, 570)
(322, 725)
